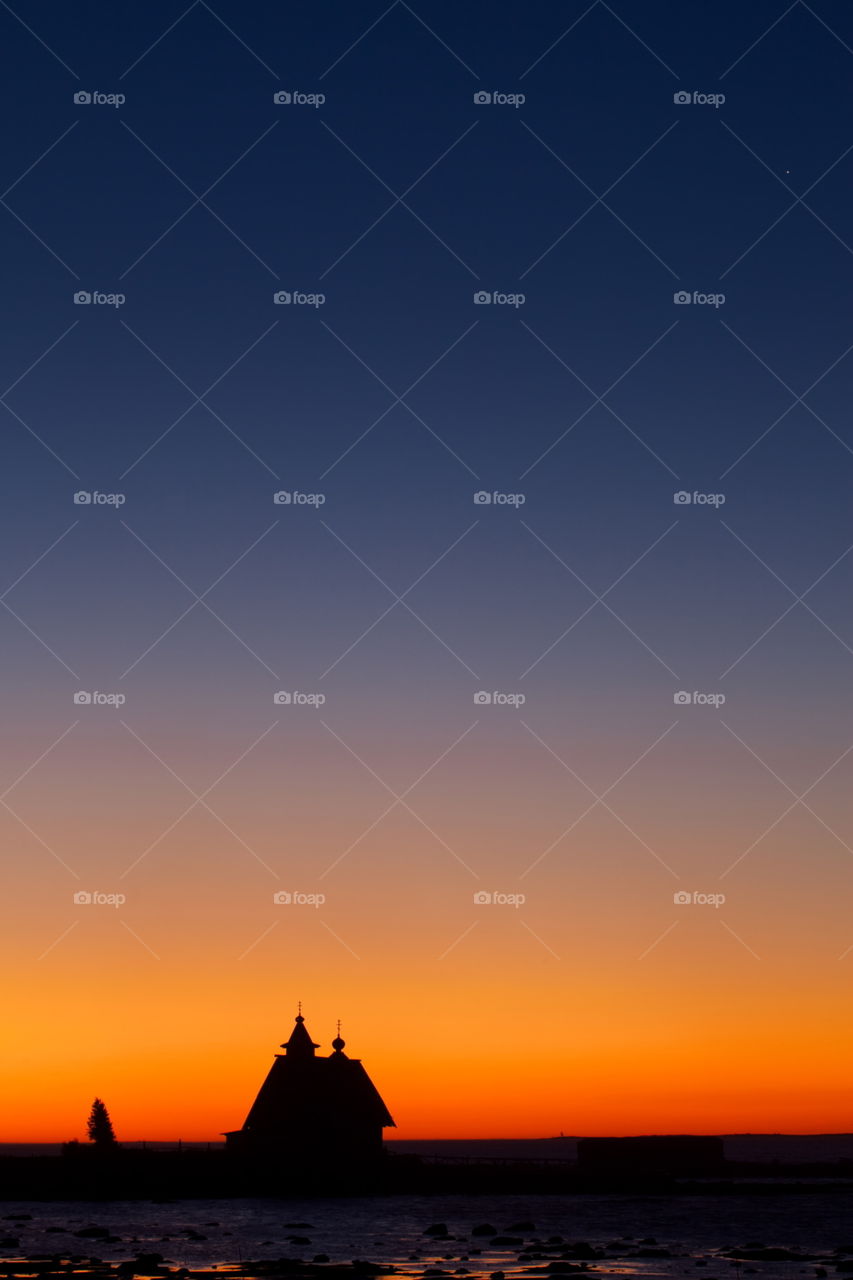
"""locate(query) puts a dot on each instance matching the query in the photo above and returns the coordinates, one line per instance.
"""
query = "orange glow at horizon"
(475, 1058)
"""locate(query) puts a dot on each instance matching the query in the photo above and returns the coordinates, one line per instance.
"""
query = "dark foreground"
(197, 1174)
(647, 1237)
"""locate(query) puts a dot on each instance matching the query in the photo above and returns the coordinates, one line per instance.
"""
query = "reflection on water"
(528, 1236)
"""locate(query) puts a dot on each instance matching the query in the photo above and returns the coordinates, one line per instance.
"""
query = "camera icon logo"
(81, 97)
(681, 298)
(482, 298)
(282, 298)
(482, 97)
(282, 698)
(681, 98)
(681, 498)
(282, 98)
(82, 298)
(682, 899)
(82, 898)
(282, 898)
(82, 698)
(482, 699)
(82, 498)
(682, 698)
(282, 498)
(482, 498)
(482, 899)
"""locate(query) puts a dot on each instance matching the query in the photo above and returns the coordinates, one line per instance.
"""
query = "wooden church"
(313, 1109)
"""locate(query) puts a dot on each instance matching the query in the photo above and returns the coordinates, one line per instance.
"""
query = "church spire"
(300, 1044)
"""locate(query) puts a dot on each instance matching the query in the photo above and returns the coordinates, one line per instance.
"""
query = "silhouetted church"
(313, 1108)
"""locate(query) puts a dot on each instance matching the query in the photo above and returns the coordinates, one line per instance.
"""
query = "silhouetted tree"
(100, 1127)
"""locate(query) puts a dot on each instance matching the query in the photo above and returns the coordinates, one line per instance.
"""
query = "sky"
(427, 561)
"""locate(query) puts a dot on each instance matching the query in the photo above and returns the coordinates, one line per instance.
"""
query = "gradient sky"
(600, 1004)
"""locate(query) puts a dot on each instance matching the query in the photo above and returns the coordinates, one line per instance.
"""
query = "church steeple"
(300, 1044)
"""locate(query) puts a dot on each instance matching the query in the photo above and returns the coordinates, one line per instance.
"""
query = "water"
(390, 1229)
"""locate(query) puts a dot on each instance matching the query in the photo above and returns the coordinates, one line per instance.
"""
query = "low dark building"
(322, 1111)
(685, 1156)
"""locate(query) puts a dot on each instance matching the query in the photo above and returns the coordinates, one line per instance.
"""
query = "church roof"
(310, 1090)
